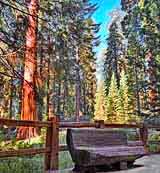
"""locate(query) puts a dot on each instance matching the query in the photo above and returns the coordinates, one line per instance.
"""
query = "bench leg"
(130, 163)
(77, 169)
(91, 170)
(81, 169)
(123, 165)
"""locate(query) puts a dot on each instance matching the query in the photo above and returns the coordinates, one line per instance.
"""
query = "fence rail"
(24, 152)
(26, 123)
(52, 147)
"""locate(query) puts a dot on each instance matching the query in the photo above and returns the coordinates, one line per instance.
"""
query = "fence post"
(99, 124)
(144, 136)
(52, 141)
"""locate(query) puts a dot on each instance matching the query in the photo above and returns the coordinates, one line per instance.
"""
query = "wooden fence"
(52, 147)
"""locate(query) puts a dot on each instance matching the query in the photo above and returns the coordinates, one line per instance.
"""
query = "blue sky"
(101, 16)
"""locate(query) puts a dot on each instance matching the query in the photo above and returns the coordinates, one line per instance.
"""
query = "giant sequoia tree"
(28, 109)
(50, 61)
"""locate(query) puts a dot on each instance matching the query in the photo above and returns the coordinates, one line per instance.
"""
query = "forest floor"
(147, 164)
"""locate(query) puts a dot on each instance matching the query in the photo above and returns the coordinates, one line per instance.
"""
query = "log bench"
(92, 147)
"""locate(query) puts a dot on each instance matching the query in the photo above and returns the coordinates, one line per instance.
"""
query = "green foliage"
(141, 30)
(113, 102)
(153, 148)
(30, 164)
(21, 144)
(117, 106)
(114, 60)
(125, 99)
(22, 164)
(154, 137)
(100, 103)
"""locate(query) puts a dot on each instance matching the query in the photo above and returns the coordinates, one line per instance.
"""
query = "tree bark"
(28, 109)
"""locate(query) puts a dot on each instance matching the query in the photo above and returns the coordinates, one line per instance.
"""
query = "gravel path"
(148, 164)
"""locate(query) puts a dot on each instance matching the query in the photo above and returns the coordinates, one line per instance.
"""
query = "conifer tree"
(113, 107)
(141, 26)
(125, 97)
(114, 54)
(100, 103)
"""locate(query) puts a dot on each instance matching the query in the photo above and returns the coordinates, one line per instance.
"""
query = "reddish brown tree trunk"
(28, 109)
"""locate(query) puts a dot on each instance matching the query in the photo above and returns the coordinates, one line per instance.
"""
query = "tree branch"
(15, 8)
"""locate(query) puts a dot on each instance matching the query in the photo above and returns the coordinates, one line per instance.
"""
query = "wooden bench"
(91, 147)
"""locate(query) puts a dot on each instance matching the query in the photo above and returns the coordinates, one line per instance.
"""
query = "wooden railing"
(52, 147)
(50, 150)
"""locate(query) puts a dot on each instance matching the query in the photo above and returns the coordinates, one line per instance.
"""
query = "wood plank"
(154, 142)
(26, 123)
(150, 126)
(75, 124)
(22, 152)
(63, 148)
(123, 125)
(54, 160)
(89, 124)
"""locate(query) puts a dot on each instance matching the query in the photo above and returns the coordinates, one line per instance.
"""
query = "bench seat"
(90, 147)
(114, 151)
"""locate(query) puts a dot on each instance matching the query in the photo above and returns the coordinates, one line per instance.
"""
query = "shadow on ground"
(115, 169)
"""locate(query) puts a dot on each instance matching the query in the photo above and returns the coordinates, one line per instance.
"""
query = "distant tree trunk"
(41, 58)
(50, 81)
(92, 99)
(40, 91)
(65, 96)
(115, 68)
(11, 99)
(59, 98)
(77, 88)
(84, 99)
(151, 81)
(54, 90)
(48, 90)
(77, 95)
(137, 87)
(50, 105)
(28, 109)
